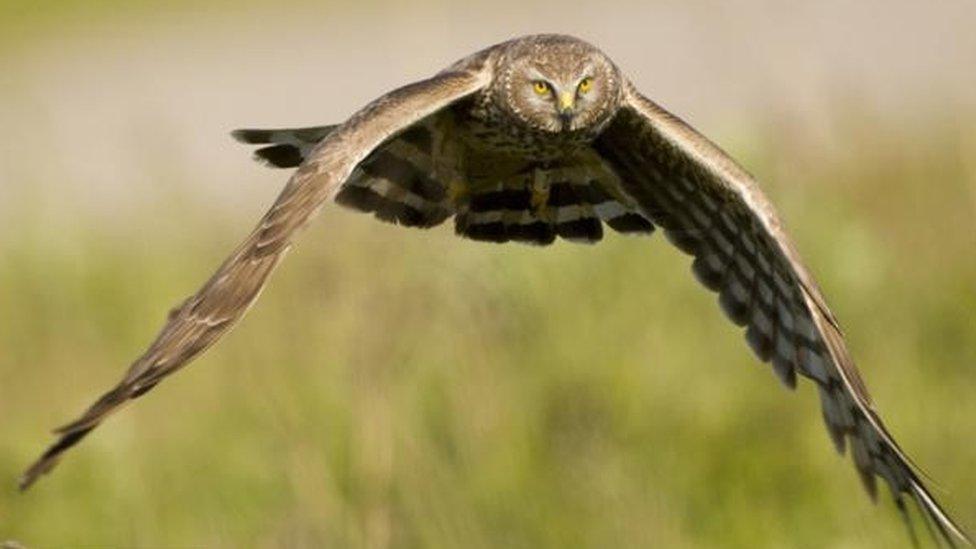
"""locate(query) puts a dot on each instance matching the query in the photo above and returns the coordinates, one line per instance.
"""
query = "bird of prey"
(529, 140)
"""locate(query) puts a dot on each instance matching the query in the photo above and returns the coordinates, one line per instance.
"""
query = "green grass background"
(404, 388)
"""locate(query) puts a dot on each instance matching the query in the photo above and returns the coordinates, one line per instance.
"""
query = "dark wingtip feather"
(485, 232)
(631, 223)
(252, 136)
(538, 233)
(785, 372)
(760, 343)
(50, 458)
(836, 436)
(279, 156)
(737, 311)
(586, 229)
(870, 483)
(684, 240)
(708, 276)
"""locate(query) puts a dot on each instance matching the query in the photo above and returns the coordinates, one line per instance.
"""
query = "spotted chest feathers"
(489, 129)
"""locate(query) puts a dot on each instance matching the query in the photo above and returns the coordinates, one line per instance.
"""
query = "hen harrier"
(525, 141)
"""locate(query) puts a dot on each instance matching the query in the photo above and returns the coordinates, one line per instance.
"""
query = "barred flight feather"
(288, 147)
(709, 209)
(571, 210)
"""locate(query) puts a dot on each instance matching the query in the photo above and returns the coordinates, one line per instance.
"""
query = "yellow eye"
(540, 87)
(585, 85)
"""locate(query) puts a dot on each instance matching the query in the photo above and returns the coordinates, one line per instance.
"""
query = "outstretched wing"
(204, 317)
(711, 208)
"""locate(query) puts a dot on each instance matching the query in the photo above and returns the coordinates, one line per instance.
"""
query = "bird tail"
(537, 205)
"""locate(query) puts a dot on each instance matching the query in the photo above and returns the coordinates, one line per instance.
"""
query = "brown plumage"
(529, 140)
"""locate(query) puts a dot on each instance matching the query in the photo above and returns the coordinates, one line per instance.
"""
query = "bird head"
(558, 84)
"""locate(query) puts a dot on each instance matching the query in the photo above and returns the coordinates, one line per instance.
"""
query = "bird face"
(559, 98)
(562, 91)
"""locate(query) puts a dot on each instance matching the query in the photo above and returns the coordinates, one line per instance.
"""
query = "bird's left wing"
(204, 317)
(711, 208)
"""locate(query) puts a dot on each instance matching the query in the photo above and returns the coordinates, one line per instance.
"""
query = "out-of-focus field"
(395, 387)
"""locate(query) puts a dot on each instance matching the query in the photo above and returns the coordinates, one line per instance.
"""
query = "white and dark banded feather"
(286, 147)
(572, 218)
(398, 182)
(535, 206)
(503, 213)
(711, 208)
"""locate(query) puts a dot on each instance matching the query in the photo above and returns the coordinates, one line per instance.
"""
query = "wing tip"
(27, 479)
(251, 136)
(948, 527)
(279, 156)
(68, 437)
(39, 468)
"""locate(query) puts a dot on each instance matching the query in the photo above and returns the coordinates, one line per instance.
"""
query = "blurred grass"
(406, 388)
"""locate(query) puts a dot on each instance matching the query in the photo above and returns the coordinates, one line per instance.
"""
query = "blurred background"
(401, 388)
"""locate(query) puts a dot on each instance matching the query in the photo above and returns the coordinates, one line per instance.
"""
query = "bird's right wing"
(204, 317)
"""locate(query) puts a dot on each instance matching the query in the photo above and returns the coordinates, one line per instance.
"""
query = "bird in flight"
(529, 140)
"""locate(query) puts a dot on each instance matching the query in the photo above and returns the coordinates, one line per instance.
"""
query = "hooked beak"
(567, 102)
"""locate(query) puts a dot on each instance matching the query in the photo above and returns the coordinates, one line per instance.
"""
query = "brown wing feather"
(711, 208)
(207, 315)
